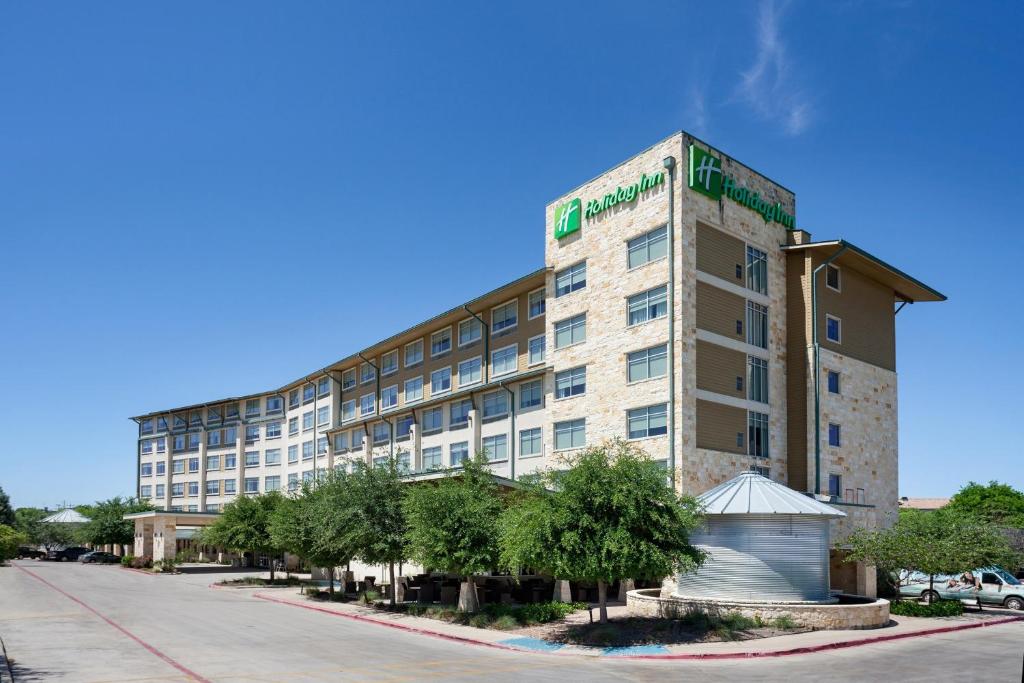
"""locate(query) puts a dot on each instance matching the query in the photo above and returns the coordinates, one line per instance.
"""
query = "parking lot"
(66, 621)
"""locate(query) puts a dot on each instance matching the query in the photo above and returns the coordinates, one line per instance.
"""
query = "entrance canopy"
(66, 516)
(156, 531)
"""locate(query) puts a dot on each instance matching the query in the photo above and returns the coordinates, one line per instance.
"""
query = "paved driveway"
(101, 623)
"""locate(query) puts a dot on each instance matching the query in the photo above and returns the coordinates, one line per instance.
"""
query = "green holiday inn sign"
(568, 216)
(706, 177)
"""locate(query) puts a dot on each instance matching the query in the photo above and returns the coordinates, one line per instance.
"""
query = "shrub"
(785, 622)
(505, 622)
(480, 620)
(368, 597)
(142, 562)
(942, 608)
(126, 560)
(167, 565)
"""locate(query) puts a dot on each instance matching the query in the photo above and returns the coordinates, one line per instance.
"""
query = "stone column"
(474, 430)
(164, 540)
(415, 443)
(562, 592)
(143, 538)
(867, 580)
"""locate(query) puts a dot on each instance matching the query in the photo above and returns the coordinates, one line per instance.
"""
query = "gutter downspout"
(817, 368)
(670, 163)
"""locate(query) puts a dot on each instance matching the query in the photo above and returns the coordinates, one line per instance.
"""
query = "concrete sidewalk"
(524, 640)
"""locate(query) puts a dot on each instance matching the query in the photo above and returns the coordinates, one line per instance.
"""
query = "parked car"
(67, 554)
(99, 557)
(990, 585)
(27, 553)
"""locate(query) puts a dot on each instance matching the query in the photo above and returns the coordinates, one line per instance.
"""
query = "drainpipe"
(487, 344)
(670, 164)
(512, 440)
(817, 370)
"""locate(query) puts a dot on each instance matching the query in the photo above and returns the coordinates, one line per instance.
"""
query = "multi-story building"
(679, 308)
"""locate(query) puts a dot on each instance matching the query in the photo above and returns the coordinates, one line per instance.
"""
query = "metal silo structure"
(764, 541)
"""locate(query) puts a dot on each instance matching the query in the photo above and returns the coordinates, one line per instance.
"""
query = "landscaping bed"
(257, 581)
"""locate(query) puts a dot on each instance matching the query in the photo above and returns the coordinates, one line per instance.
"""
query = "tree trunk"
(330, 582)
(271, 567)
(602, 599)
(468, 600)
(391, 587)
(931, 586)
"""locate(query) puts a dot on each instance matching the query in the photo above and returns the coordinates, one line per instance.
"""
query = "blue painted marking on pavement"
(532, 644)
(636, 650)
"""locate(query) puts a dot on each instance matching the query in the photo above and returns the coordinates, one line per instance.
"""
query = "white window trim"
(443, 391)
(405, 390)
(372, 375)
(388, 388)
(360, 411)
(405, 353)
(458, 332)
(384, 373)
(355, 410)
(839, 270)
(450, 340)
(505, 329)
(542, 360)
(829, 316)
(506, 372)
(469, 360)
(528, 295)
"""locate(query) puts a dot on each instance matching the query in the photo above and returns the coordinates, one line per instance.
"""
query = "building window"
(571, 331)
(341, 442)
(293, 453)
(414, 353)
(230, 461)
(307, 420)
(432, 458)
(323, 415)
(193, 442)
(647, 421)
(146, 491)
(146, 427)
(469, 372)
(252, 484)
(161, 445)
(389, 362)
(649, 247)
(571, 382)
(496, 447)
(348, 379)
(213, 416)
(432, 420)
(381, 433)
(307, 476)
(272, 456)
(213, 487)
(293, 481)
(531, 394)
(763, 471)
(571, 279)
(648, 305)
(321, 446)
(470, 330)
(212, 463)
(757, 270)
(323, 386)
(496, 404)
(357, 439)
(414, 389)
(252, 458)
(274, 405)
(536, 304)
(228, 486)
(147, 446)
(536, 350)
(348, 411)
(273, 430)
(389, 397)
(832, 279)
(307, 450)
(308, 393)
(179, 422)
(504, 317)
(834, 435)
(366, 373)
(193, 488)
(833, 382)
(178, 467)
(835, 486)
(530, 442)
(252, 433)
(293, 398)
(179, 443)
(193, 464)
(833, 329)
(160, 490)
(757, 379)
(647, 363)
(458, 453)
(459, 413)
(366, 404)
(757, 325)
(570, 434)
(272, 483)
(505, 360)
(161, 468)
(293, 426)
(178, 490)
(441, 342)
(146, 469)
(440, 381)
(252, 407)
(757, 434)
(403, 427)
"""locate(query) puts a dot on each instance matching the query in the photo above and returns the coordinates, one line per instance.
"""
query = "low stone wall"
(834, 616)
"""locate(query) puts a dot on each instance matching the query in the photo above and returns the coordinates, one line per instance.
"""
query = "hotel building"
(679, 307)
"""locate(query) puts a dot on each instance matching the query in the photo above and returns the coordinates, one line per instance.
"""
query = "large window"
(348, 411)
(647, 421)
(413, 389)
(571, 279)
(757, 379)
(230, 461)
(193, 488)
(432, 458)
(389, 363)
(212, 463)
(323, 415)
(757, 434)
(833, 382)
(229, 487)
(308, 392)
(536, 350)
(440, 381)
(213, 487)
(833, 329)
(389, 397)
(469, 371)
(571, 331)
(293, 398)
(252, 458)
(537, 303)
(307, 450)
(381, 433)
(757, 270)
(496, 404)
(307, 420)
(272, 456)
(530, 442)
(834, 435)
(648, 305)
(252, 407)
(273, 430)
(366, 373)
(272, 483)
(647, 363)
(323, 386)
(341, 442)
(459, 413)
(531, 394)
(366, 406)
(252, 484)
(504, 360)
(274, 405)
(252, 433)
(193, 464)
(413, 353)
(458, 453)
(348, 379)
(470, 330)
(504, 317)
(757, 325)
(146, 469)
(572, 382)
(649, 247)
(432, 420)
(496, 447)
(441, 342)
(293, 453)
(570, 434)
(403, 427)
(178, 489)
(161, 490)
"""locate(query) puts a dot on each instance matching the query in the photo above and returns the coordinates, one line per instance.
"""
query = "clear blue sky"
(207, 199)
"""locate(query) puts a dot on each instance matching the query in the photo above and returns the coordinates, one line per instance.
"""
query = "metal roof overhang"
(179, 518)
(905, 287)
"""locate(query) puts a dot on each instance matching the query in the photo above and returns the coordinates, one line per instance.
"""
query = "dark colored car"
(26, 553)
(99, 557)
(68, 554)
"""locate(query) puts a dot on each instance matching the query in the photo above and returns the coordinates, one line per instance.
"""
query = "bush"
(168, 565)
(368, 597)
(506, 622)
(126, 560)
(142, 562)
(785, 622)
(942, 608)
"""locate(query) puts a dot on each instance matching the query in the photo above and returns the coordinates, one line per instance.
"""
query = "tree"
(610, 516)
(10, 539)
(998, 503)
(244, 526)
(6, 512)
(453, 525)
(107, 523)
(940, 542)
(376, 520)
(50, 535)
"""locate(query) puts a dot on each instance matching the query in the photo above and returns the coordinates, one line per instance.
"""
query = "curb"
(809, 649)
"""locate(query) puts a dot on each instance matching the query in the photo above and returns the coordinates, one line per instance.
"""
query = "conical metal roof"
(751, 494)
(67, 516)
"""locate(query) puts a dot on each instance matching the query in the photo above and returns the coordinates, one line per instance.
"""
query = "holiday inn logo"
(708, 178)
(567, 218)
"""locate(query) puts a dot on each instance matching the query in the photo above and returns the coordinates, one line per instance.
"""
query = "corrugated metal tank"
(762, 558)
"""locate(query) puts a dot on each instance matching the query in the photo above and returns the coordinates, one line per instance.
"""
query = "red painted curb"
(180, 667)
(810, 649)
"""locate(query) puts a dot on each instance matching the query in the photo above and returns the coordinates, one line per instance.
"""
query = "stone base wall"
(649, 603)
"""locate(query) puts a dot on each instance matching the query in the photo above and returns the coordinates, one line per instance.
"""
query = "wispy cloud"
(697, 111)
(770, 86)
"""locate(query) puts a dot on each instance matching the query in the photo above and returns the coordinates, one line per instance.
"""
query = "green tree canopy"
(998, 503)
(453, 524)
(6, 511)
(107, 524)
(50, 535)
(610, 516)
(244, 526)
(10, 539)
